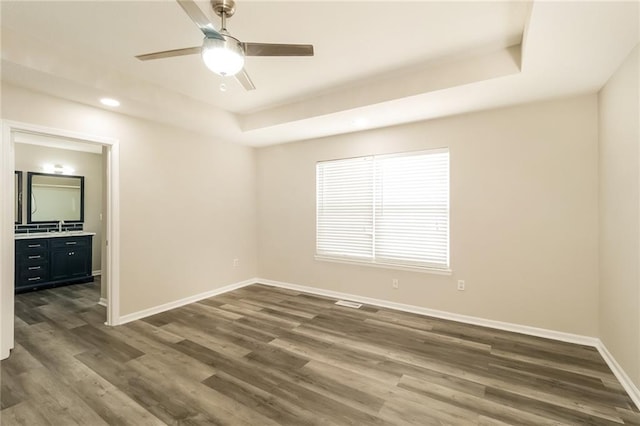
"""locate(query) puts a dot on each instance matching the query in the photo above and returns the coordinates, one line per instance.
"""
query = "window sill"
(385, 265)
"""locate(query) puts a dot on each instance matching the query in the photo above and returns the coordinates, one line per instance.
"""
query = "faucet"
(60, 223)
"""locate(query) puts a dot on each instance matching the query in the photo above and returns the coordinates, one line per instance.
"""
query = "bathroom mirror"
(53, 197)
(18, 197)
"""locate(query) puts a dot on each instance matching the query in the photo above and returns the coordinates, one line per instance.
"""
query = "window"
(386, 210)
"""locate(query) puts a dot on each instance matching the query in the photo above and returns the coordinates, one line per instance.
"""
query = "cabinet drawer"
(36, 244)
(33, 257)
(68, 242)
(33, 270)
(25, 281)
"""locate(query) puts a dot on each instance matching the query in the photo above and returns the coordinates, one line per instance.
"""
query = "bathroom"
(54, 168)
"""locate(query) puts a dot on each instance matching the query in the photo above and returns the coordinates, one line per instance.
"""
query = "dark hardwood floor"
(267, 356)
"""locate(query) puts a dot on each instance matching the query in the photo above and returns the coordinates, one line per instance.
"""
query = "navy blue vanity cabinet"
(50, 262)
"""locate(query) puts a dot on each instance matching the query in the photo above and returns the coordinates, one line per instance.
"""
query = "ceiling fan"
(221, 52)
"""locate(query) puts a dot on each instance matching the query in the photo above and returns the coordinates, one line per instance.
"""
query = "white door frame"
(7, 246)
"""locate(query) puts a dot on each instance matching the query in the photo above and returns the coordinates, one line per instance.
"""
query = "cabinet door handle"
(35, 245)
(35, 257)
(34, 279)
(71, 243)
(71, 253)
(34, 268)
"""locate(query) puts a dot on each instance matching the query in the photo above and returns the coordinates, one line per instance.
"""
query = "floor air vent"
(349, 304)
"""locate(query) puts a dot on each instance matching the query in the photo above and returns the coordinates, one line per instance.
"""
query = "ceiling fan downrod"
(224, 9)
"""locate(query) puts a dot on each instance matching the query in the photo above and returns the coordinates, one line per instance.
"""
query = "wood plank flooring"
(266, 356)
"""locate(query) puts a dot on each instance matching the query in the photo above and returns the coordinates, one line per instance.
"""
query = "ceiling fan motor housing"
(224, 7)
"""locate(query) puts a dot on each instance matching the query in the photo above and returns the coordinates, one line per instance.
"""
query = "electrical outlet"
(236, 263)
(461, 285)
(395, 283)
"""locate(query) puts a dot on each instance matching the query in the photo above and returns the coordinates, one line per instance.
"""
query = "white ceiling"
(375, 64)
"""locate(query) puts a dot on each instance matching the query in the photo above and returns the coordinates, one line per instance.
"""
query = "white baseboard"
(96, 273)
(181, 302)
(621, 375)
(103, 302)
(517, 328)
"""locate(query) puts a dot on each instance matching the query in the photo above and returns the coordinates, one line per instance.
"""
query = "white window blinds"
(390, 210)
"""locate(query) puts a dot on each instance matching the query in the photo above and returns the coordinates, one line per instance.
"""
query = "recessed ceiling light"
(360, 122)
(110, 102)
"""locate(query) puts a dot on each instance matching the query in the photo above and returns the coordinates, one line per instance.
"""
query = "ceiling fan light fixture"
(223, 57)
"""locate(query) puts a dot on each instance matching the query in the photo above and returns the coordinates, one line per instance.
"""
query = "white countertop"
(52, 234)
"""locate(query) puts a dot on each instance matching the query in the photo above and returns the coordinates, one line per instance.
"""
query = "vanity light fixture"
(57, 169)
(110, 102)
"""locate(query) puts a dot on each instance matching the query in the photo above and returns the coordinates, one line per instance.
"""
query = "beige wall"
(524, 221)
(187, 203)
(619, 103)
(524, 211)
(30, 158)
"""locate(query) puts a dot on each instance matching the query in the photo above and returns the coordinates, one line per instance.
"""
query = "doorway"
(110, 246)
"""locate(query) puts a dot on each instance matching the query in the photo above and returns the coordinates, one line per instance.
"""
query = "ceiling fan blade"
(170, 53)
(245, 80)
(269, 49)
(199, 18)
